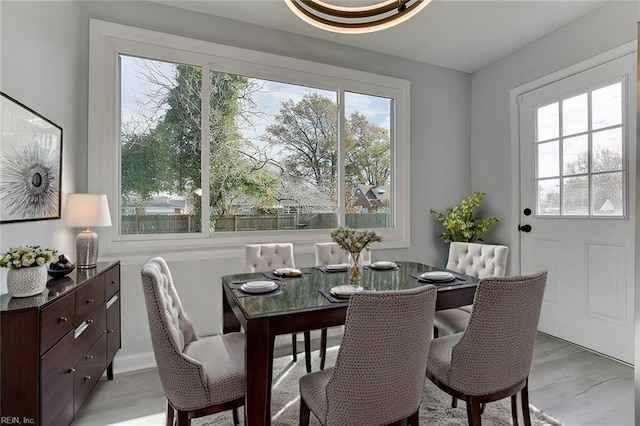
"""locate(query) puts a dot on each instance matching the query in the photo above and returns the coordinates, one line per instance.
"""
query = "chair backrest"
(496, 349)
(332, 253)
(379, 372)
(478, 260)
(267, 257)
(171, 332)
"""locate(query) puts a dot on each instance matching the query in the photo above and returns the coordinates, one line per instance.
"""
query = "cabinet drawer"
(57, 369)
(89, 331)
(113, 326)
(88, 372)
(89, 297)
(56, 320)
(113, 281)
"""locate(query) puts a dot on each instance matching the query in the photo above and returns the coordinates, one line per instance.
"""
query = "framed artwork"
(30, 164)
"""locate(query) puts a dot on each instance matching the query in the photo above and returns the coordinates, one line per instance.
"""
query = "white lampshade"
(87, 211)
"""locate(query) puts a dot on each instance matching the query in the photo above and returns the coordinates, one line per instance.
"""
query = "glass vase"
(355, 268)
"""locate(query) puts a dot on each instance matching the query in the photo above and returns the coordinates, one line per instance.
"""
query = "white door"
(577, 199)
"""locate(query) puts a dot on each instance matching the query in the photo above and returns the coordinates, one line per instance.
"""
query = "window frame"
(109, 40)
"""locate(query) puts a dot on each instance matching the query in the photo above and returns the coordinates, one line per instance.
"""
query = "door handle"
(524, 228)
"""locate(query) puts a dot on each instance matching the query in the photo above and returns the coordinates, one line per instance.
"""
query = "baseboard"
(128, 363)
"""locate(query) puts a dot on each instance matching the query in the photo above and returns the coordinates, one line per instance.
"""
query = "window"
(579, 154)
(221, 145)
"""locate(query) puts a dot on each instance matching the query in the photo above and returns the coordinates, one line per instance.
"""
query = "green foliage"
(459, 223)
(354, 241)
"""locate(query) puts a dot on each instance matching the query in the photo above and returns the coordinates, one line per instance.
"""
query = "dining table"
(304, 303)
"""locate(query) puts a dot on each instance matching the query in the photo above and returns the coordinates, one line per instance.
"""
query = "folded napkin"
(330, 271)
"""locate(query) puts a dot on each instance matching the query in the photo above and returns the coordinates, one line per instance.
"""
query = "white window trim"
(107, 40)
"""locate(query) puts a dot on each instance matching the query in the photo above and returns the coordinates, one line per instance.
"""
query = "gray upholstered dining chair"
(267, 257)
(476, 260)
(491, 359)
(199, 376)
(378, 375)
(332, 254)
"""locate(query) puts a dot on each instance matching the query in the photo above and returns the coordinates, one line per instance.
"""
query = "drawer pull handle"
(113, 282)
(89, 300)
(88, 357)
(89, 321)
(109, 331)
(87, 378)
(63, 319)
(71, 370)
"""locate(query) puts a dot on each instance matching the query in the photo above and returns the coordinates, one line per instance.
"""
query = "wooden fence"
(180, 224)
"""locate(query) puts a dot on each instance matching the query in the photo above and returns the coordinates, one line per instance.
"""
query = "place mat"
(276, 277)
(326, 292)
(236, 289)
(457, 280)
(331, 271)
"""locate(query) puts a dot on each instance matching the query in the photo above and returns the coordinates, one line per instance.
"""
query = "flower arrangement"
(26, 257)
(354, 241)
(459, 223)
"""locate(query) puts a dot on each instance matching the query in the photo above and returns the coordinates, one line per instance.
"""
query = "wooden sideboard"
(55, 346)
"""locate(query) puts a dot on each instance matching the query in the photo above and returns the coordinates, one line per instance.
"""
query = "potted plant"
(354, 242)
(27, 275)
(459, 222)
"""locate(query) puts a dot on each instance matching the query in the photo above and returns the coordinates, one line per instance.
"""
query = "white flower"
(41, 261)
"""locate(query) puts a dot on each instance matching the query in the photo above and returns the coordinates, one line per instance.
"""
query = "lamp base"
(86, 249)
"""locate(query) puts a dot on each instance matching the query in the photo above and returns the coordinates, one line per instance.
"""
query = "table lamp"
(87, 211)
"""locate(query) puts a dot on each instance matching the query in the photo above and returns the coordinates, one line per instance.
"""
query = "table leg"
(229, 321)
(258, 365)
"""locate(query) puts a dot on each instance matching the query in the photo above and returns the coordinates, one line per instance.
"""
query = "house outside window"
(211, 141)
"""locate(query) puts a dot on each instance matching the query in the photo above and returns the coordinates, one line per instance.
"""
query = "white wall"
(45, 65)
(610, 26)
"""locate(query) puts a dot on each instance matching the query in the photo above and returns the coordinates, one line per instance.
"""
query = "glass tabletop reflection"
(302, 293)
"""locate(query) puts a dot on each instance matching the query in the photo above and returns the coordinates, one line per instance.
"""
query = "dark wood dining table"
(299, 306)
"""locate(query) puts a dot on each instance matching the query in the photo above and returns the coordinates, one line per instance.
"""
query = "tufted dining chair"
(199, 376)
(476, 260)
(378, 374)
(267, 257)
(332, 253)
(491, 359)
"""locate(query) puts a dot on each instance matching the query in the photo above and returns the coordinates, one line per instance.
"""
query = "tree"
(307, 130)
(367, 151)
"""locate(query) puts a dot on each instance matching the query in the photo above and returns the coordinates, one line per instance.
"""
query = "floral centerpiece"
(353, 242)
(27, 275)
(460, 224)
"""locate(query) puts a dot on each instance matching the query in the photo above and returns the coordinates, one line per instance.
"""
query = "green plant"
(354, 241)
(459, 223)
(26, 256)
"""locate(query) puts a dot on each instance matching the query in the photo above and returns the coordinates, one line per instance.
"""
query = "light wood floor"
(571, 384)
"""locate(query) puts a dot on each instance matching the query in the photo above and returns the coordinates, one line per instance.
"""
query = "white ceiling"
(465, 35)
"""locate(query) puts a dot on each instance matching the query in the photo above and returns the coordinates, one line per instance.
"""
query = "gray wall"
(45, 65)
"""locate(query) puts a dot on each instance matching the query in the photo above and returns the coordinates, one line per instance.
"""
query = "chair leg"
(514, 409)
(294, 347)
(234, 413)
(414, 419)
(473, 411)
(304, 413)
(524, 396)
(307, 350)
(435, 332)
(454, 402)
(323, 347)
(170, 414)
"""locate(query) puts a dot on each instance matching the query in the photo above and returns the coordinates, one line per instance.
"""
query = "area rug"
(434, 410)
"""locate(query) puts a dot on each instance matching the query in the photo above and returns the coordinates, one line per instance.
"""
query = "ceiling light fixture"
(355, 20)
